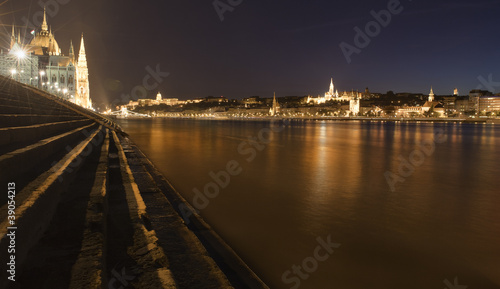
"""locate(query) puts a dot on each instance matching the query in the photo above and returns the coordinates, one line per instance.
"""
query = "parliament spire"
(45, 27)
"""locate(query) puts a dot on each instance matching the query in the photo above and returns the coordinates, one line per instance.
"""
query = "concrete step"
(77, 109)
(17, 120)
(4, 109)
(22, 97)
(32, 102)
(40, 102)
(36, 203)
(15, 163)
(15, 137)
(50, 261)
(89, 269)
(86, 232)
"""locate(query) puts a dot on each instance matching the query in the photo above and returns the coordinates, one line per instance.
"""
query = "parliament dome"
(44, 42)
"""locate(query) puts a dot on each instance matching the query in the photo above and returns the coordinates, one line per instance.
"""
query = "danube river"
(325, 204)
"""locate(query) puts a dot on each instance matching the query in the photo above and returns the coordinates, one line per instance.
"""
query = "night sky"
(291, 47)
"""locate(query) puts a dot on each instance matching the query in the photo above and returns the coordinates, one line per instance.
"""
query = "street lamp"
(20, 55)
(42, 73)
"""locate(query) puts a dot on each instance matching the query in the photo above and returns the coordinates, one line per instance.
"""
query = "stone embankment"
(82, 207)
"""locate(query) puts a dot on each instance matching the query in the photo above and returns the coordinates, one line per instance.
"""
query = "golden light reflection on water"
(321, 178)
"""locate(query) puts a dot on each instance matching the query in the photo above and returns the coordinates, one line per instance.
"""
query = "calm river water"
(403, 205)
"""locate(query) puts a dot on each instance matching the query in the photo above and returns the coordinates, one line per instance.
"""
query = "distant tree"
(390, 93)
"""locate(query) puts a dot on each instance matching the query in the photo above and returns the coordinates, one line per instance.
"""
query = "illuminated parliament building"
(41, 63)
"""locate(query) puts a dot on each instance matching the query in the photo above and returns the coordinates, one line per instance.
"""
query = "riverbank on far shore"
(333, 118)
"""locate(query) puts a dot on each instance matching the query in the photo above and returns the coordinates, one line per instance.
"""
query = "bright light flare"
(20, 54)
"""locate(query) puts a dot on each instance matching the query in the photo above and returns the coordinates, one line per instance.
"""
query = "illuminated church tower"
(275, 109)
(431, 95)
(331, 94)
(83, 92)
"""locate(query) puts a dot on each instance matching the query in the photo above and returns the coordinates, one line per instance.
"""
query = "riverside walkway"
(82, 207)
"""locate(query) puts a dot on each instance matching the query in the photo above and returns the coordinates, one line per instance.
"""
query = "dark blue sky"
(291, 47)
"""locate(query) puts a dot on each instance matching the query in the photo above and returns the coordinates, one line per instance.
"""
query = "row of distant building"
(358, 103)
(331, 95)
(477, 102)
(39, 62)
